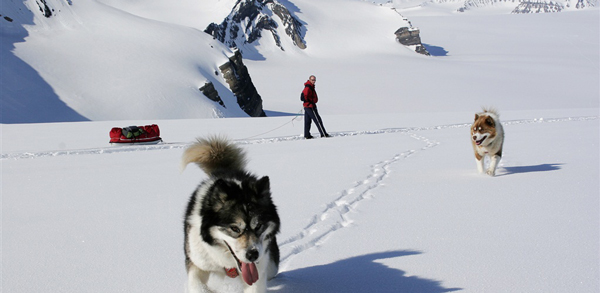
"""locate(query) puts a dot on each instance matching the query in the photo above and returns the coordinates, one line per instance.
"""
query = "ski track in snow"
(179, 145)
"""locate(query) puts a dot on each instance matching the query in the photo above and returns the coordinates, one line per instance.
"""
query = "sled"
(148, 134)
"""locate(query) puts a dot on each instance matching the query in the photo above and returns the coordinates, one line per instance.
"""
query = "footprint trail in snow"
(336, 214)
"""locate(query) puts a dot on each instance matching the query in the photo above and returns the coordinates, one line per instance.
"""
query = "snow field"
(386, 209)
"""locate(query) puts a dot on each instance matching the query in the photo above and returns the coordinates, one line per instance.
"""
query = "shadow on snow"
(270, 113)
(529, 169)
(26, 96)
(435, 50)
(356, 274)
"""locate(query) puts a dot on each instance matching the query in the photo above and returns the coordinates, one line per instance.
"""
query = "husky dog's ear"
(489, 121)
(476, 117)
(263, 186)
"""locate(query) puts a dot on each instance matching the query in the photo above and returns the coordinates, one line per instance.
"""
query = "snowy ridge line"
(179, 145)
(335, 215)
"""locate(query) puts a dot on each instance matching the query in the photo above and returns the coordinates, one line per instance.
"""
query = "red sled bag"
(148, 134)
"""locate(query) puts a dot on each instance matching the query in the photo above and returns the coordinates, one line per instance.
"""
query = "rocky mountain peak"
(249, 19)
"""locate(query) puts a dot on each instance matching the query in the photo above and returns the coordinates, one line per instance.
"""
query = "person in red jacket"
(310, 98)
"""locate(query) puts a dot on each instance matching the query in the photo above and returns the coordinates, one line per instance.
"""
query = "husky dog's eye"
(235, 229)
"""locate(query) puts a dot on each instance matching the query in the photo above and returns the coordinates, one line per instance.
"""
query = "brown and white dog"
(487, 137)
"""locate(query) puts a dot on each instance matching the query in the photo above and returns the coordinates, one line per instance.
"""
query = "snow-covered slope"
(191, 13)
(115, 60)
(108, 64)
(478, 59)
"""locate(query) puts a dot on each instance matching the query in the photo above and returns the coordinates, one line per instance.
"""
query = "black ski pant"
(311, 114)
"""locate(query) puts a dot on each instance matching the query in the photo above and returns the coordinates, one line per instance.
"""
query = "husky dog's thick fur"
(230, 223)
(487, 137)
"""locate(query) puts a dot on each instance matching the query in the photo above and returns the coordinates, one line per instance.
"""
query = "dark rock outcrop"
(409, 36)
(293, 27)
(44, 8)
(257, 18)
(240, 83)
(210, 92)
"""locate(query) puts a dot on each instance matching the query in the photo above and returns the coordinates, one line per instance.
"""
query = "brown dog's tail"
(490, 110)
(214, 155)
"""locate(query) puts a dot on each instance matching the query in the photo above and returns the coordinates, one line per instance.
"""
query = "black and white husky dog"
(230, 223)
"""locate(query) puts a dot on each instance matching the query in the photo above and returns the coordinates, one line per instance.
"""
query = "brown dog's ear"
(489, 121)
(476, 117)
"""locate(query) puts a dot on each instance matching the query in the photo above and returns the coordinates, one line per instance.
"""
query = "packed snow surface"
(391, 203)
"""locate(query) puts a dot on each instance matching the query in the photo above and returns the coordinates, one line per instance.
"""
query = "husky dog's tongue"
(249, 273)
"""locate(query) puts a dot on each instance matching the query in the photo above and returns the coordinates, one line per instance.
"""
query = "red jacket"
(310, 95)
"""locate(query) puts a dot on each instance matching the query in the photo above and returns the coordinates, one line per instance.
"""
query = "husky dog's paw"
(491, 172)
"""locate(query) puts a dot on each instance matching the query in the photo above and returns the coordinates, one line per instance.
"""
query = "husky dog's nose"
(252, 254)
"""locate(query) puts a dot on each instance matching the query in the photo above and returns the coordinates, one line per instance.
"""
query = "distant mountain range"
(531, 6)
(520, 6)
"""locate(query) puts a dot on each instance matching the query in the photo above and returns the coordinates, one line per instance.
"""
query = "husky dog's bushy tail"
(490, 110)
(215, 155)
